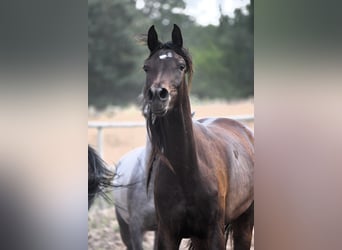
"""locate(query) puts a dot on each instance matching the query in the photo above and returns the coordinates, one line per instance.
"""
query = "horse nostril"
(163, 94)
(160, 93)
(150, 95)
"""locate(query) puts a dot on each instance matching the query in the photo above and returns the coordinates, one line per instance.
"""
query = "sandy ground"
(103, 230)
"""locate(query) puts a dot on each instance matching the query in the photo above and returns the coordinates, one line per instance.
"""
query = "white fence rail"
(100, 125)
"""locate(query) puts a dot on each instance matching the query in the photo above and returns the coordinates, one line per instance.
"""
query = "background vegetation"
(222, 55)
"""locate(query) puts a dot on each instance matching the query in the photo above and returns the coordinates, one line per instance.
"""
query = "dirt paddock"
(103, 230)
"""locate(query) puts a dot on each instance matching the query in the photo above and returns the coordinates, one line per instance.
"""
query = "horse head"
(166, 68)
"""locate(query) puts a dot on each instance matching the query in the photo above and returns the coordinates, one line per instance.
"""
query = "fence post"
(100, 140)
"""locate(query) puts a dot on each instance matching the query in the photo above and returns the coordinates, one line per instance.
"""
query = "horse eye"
(145, 68)
(182, 67)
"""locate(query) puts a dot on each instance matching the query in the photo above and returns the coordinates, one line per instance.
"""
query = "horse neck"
(177, 141)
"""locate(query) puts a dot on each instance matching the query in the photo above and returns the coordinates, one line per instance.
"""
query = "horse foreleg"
(124, 231)
(166, 242)
(214, 241)
(155, 244)
(137, 233)
(242, 228)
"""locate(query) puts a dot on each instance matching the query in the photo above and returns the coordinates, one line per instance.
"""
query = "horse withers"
(203, 185)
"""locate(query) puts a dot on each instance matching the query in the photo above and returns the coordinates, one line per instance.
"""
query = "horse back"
(230, 129)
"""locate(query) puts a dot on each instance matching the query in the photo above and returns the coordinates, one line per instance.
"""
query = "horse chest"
(188, 212)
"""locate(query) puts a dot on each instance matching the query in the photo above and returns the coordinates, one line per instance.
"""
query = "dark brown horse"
(204, 169)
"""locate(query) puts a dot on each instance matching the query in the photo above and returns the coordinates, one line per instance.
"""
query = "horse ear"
(177, 38)
(152, 39)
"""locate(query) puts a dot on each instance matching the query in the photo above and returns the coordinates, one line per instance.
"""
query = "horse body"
(226, 142)
(203, 169)
(134, 208)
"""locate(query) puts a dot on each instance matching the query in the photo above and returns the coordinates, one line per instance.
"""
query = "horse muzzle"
(159, 99)
(158, 108)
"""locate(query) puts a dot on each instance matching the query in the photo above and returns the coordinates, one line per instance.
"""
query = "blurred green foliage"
(222, 55)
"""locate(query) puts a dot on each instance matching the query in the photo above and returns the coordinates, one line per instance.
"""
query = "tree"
(164, 14)
(238, 50)
(113, 67)
(222, 55)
